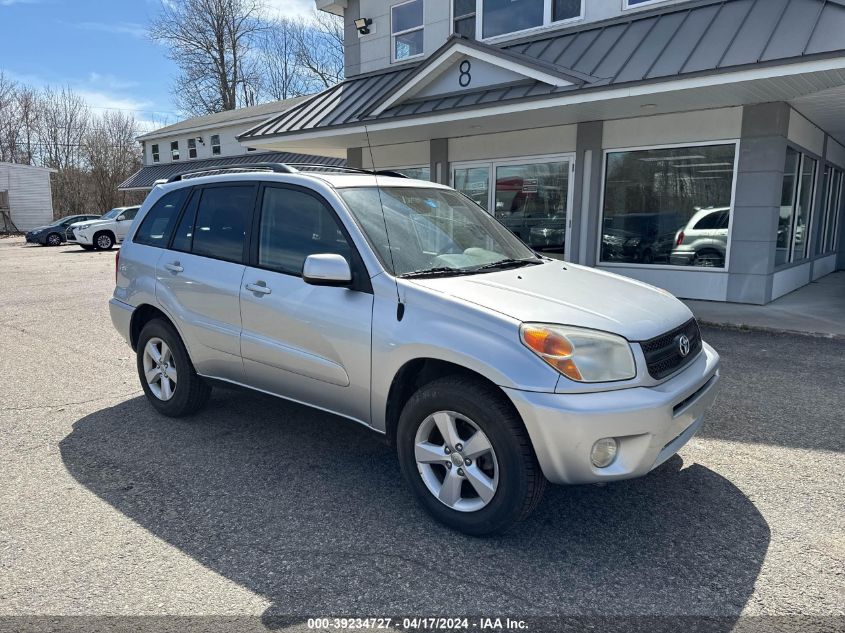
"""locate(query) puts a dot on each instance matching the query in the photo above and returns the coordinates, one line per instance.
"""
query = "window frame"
(360, 275)
(216, 148)
(548, 23)
(831, 204)
(627, 6)
(177, 218)
(174, 151)
(808, 255)
(421, 27)
(192, 148)
(156, 156)
(692, 269)
(199, 191)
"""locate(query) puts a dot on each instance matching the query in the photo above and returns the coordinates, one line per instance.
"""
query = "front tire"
(54, 239)
(103, 241)
(467, 457)
(167, 375)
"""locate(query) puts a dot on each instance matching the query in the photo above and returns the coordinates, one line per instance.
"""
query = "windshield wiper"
(508, 263)
(439, 271)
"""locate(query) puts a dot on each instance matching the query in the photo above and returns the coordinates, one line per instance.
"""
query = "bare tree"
(18, 120)
(211, 42)
(320, 49)
(62, 127)
(111, 155)
(282, 76)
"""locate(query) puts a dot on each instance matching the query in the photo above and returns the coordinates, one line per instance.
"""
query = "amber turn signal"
(553, 348)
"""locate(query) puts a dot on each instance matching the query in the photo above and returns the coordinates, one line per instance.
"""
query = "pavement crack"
(70, 404)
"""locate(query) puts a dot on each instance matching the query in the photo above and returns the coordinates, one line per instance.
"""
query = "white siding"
(30, 198)
(229, 145)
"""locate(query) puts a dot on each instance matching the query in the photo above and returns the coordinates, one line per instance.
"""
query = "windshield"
(111, 214)
(432, 229)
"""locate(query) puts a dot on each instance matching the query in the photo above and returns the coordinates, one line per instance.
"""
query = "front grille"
(663, 353)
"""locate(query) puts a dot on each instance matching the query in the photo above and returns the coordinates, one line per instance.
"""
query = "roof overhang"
(456, 50)
(759, 84)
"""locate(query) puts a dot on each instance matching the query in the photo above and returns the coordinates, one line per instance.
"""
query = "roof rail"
(355, 170)
(280, 168)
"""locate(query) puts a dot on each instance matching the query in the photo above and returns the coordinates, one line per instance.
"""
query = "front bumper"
(121, 318)
(650, 423)
(88, 240)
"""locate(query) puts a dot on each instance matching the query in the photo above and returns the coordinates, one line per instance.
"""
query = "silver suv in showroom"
(402, 305)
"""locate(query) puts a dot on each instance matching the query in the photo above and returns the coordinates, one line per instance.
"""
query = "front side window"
(437, 231)
(158, 224)
(192, 148)
(221, 221)
(655, 200)
(174, 150)
(293, 226)
(406, 27)
(155, 153)
(129, 214)
(215, 144)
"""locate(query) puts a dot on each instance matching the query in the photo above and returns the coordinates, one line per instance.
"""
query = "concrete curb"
(744, 327)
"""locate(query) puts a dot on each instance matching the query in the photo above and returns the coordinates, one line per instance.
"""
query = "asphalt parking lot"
(258, 507)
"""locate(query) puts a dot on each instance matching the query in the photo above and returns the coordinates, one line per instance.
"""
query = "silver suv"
(402, 305)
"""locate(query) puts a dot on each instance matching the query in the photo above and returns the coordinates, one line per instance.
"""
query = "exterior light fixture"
(363, 24)
(200, 141)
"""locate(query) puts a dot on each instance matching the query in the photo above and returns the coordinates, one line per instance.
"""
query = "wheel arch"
(142, 315)
(109, 231)
(415, 374)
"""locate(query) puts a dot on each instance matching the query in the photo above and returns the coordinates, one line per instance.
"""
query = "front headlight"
(579, 354)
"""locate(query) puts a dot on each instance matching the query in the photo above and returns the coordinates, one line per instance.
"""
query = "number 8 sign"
(465, 77)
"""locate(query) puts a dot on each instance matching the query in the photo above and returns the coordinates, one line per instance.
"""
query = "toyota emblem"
(684, 345)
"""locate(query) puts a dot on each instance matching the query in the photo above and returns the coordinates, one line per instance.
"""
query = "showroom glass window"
(831, 204)
(532, 201)
(668, 206)
(407, 30)
(799, 177)
(417, 173)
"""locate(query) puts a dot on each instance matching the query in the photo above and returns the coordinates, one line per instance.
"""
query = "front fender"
(441, 327)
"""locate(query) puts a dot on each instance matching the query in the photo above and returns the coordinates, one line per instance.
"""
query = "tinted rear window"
(157, 226)
(222, 217)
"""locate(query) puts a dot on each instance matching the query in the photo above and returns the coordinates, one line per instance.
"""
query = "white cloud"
(117, 28)
(291, 8)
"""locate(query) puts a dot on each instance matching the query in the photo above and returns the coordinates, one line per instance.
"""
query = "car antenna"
(400, 307)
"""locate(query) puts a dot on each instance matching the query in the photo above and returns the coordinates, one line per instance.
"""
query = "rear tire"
(103, 241)
(509, 467)
(184, 392)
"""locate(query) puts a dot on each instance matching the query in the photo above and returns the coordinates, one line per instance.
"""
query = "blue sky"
(99, 48)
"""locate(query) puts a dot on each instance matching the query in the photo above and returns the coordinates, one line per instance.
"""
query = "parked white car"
(704, 240)
(104, 233)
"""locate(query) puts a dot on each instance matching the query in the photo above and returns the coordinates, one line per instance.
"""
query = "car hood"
(38, 229)
(568, 294)
(85, 224)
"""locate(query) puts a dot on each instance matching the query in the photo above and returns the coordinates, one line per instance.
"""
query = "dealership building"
(695, 145)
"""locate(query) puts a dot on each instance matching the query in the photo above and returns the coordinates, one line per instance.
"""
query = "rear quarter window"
(157, 226)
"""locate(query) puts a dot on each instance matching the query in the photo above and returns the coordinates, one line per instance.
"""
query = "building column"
(586, 194)
(759, 181)
(355, 157)
(438, 149)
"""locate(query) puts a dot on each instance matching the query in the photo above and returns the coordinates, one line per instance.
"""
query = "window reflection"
(668, 206)
(474, 183)
(799, 178)
(531, 200)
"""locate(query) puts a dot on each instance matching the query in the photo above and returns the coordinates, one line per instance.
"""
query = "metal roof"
(146, 177)
(228, 117)
(694, 38)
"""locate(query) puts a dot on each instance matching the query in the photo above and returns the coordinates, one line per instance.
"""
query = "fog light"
(604, 452)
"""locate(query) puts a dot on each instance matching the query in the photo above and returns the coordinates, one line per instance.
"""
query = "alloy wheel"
(456, 461)
(54, 240)
(104, 242)
(159, 369)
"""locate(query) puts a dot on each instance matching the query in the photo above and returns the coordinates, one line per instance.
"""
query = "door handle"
(174, 267)
(259, 287)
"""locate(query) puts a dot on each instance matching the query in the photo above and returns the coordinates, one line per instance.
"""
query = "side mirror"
(121, 218)
(326, 269)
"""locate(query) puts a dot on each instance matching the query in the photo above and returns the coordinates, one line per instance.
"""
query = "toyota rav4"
(403, 306)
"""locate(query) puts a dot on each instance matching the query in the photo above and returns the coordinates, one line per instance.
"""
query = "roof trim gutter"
(586, 95)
